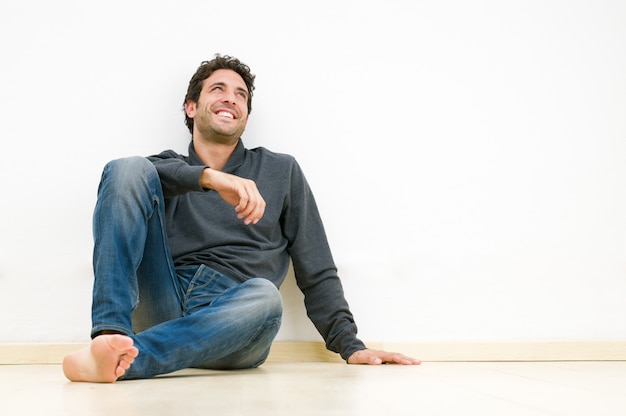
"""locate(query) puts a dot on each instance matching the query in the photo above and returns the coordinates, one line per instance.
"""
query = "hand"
(375, 357)
(238, 192)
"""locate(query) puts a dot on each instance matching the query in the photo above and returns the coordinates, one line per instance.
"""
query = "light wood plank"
(286, 351)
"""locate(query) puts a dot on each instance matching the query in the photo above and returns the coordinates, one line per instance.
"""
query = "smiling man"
(189, 251)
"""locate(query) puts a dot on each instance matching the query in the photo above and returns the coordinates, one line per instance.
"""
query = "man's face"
(221, 113)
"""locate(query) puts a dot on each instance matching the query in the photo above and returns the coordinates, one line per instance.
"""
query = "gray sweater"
(203, 229)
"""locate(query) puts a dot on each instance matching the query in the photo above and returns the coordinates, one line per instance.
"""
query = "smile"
(225, 114)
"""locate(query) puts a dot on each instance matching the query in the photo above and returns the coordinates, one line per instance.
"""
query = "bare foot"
(105, 360)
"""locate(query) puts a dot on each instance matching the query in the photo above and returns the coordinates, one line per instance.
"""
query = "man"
(183, 279)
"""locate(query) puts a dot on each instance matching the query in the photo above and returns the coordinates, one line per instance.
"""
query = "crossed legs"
(227, 324)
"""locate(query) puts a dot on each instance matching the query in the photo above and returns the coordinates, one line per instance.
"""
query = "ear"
(190, 108)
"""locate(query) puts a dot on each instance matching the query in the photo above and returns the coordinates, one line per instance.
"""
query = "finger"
(402, 359)
(246, 207)
(256, 215)
(247, 211)
(410, 361)
(244, 200)
(254, 208)
(258, 212)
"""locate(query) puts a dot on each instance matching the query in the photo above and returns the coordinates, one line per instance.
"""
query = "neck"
(214, 155)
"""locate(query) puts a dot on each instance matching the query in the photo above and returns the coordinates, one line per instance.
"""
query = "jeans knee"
(129, 174)
(134, 166)
(268, 295)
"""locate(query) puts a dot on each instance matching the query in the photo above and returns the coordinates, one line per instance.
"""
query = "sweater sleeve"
(177, 176)
(315, 270)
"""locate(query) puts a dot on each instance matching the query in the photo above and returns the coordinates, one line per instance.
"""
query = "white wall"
(468, 157)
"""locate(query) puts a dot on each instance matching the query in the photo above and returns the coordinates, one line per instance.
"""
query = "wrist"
(205, 178)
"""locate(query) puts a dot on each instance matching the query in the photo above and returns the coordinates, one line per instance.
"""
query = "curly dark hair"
(205, 70)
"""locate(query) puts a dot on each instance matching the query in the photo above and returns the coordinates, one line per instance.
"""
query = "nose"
(230, 97)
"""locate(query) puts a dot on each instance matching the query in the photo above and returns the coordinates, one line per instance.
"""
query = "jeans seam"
(192, 286)
(171, 267)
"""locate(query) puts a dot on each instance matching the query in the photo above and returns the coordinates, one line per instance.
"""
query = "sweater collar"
(234, 161)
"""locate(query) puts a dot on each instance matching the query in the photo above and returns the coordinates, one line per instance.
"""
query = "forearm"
(177, 176)
(329, 311)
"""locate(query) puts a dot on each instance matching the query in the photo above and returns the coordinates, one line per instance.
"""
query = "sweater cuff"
(349, 344)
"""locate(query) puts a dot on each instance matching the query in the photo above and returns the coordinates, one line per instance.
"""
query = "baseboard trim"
(287, 351)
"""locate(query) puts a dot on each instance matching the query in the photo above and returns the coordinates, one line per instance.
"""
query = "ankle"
(107, 332)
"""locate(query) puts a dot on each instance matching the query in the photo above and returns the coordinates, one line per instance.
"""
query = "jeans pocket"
(200, 288)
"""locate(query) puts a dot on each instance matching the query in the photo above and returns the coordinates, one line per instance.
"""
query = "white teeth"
(225, 114)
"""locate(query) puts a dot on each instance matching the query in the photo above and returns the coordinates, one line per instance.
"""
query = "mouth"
(226, 114)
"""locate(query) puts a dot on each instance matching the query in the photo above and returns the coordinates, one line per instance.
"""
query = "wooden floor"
(299, 389)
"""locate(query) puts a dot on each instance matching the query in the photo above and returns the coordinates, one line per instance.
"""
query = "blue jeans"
(178, 317)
